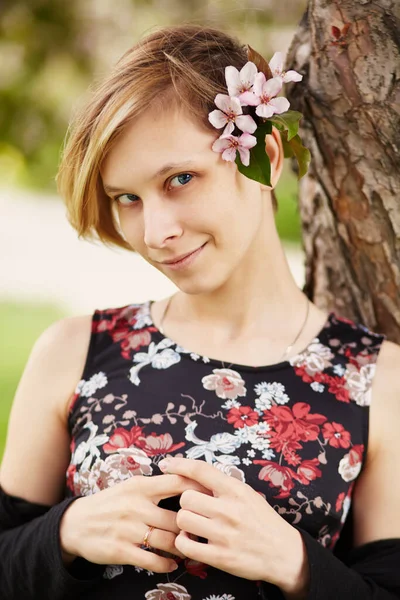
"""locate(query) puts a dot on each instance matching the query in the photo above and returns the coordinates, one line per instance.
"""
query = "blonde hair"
(186, 62)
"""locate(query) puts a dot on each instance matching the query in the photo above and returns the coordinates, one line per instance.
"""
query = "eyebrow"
(165, 169)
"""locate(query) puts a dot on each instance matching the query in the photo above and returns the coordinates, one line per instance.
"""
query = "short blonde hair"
(187, 62)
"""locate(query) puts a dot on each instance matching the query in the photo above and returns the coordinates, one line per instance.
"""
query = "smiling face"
(175, 195)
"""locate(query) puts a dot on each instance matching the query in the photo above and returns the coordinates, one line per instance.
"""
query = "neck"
(261, 298)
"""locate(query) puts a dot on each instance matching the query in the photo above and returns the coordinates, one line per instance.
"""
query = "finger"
(161, 540)
(199, 503)
(197, 525)
(165, 486)
(201, 472)
(195, 550)
(133, 555)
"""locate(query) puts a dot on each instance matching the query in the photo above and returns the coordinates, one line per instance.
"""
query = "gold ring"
(146, 537)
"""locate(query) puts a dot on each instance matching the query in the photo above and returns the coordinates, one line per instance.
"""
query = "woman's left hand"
(246, 536)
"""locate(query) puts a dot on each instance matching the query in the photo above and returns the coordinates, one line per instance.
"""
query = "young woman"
(274, 416)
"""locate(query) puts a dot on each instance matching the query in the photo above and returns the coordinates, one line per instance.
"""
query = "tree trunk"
(349, 54)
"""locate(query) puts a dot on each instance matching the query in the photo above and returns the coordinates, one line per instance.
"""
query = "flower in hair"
(240, 82)
(229, 144)
(252, 107)
(276, 66)
(263, 96)
(230, 113)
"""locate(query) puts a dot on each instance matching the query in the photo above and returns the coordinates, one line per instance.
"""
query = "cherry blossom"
(276, 66)
(229, 115)
(263, 96)
(242, 81)
(229, 144)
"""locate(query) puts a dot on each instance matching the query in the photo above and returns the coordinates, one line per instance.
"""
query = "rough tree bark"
(349, 54)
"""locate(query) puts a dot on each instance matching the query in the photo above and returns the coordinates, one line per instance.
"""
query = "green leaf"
(259, 168)
(288, 121)
(294, 147)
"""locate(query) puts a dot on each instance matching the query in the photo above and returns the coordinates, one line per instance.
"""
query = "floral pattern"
(295, 431)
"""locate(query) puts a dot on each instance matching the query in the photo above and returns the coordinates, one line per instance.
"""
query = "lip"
(184, 262)
(180, 258)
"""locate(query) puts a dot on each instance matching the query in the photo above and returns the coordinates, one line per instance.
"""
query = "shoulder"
(58, 357)
(386, 386)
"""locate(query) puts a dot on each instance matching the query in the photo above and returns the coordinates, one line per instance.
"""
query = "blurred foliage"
(52, 50)
(21, 324)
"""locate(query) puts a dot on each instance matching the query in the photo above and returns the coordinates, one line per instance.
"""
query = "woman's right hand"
(108, 527)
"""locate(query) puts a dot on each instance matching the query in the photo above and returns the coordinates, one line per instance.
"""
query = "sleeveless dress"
(296, 431)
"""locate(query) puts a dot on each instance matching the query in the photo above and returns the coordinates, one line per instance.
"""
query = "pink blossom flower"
(240, 82)
(230, 113)
(276, 66)
(229, 144)
(263, 96)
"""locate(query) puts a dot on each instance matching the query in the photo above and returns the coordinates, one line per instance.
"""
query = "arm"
(33, 469)
(371, 570)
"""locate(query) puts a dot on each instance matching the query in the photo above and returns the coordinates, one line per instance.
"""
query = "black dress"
(296, 431)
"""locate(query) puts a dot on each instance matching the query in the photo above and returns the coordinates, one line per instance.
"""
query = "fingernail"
(163, 464)
(174, 567)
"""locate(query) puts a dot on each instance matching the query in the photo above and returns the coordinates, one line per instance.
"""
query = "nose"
(161, 224)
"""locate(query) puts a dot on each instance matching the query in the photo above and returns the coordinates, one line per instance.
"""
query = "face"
(176, 195)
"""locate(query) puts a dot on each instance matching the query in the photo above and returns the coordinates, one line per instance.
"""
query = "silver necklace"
(286, 352)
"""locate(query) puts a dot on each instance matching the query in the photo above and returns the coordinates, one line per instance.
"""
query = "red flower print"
(287, 447)
(337, 387)
(306, 424)
(296, 423)
(356, 454)
(339, 501)
(70, 477)
(301, 372)
(122, 438)
(278, 476)
(308, 471)
(155, 444)
(337, 435)
(196, 568)
(132, 341)
(244, 415)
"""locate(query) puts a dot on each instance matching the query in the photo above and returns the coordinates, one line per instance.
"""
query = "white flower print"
(117, 467)
(228, 384)
(346, 508)
(90, 387)
(168, 590)
(247, 461)
(317, 387)
(256, 435)
(219, 442)
(159, 356)
(251, 453)
(339, 370)
(90, 446)
(112, 571)
(142, 315)
(316, 358)
(269, 393)
(223, 597)
(359, 383)
(349, 469)
(268, 454)
(231, 404)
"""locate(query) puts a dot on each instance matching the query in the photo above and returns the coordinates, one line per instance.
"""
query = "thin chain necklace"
(286, 352)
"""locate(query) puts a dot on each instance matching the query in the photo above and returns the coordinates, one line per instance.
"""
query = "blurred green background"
(51, 50)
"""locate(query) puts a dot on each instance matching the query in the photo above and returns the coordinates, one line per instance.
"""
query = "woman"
(272, 413)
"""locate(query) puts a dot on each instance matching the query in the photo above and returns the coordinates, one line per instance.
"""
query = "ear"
(274, 149)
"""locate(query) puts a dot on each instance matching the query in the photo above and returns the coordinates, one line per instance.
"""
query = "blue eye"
(119, 200)
(183, 179)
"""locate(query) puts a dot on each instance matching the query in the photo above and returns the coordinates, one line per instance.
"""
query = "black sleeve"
(367, 572)
(31, 565)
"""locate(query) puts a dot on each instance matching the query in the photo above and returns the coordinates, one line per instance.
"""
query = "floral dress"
(296, 431)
